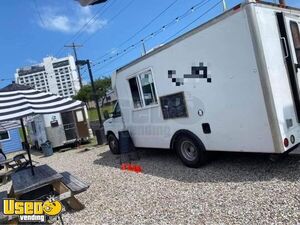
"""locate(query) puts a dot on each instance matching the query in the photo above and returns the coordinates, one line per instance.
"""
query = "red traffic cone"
(135, 168)
(130, 167)
(139, 169)
(123, 166)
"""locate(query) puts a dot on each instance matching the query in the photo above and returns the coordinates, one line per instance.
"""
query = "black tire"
(113, 144)
(191, 151)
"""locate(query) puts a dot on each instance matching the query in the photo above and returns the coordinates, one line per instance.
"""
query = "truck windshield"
(117, 111)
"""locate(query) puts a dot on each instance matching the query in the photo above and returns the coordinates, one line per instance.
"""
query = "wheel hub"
(189, 150)
(112, 144)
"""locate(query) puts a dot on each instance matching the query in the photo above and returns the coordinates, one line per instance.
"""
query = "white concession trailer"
(61, 129)
(231, 84)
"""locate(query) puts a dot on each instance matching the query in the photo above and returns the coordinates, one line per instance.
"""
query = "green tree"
(84, 94)
(102, 85)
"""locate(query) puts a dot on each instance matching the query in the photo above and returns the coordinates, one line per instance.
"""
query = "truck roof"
(206, 25)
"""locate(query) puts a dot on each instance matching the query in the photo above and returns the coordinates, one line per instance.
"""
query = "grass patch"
(93, 116)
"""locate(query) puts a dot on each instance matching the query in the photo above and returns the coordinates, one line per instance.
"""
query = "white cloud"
(56, 20)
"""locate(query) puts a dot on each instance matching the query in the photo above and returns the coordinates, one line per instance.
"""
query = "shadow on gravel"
(223, 167)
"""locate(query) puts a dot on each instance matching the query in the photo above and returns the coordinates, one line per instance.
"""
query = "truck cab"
(112, 126)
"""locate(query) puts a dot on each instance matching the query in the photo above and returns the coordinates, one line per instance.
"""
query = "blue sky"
(33, 29)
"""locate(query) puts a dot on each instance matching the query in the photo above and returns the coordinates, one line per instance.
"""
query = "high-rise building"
(58, 76)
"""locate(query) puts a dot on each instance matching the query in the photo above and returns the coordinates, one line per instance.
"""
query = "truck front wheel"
(113, 144)
(191, 152)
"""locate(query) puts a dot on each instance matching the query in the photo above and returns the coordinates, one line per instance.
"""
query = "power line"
(110, 62)
(143, 28)
(38, 12)
(134, 46)
(153, 34)
(148, 24)
(110, 20)
(195, 20)
(101, 11)
(95, 17)
(91, 21)
(84, 27)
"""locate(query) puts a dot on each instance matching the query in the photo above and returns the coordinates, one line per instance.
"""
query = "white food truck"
(231, 84)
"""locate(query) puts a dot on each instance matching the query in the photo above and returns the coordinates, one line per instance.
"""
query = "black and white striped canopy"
(17, 101)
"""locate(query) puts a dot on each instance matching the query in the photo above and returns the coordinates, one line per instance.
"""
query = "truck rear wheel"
(113, 144)
(191, 152)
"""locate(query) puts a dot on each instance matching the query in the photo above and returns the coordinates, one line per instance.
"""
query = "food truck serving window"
(296, 38)
(143, 90)
(173, 106)
(135, 92)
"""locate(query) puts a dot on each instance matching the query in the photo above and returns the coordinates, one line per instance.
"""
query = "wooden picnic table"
(24, 183)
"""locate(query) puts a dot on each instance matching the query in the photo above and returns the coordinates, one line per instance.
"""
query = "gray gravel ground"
(232, 189)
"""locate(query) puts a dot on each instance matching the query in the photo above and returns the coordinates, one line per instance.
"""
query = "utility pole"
(144, 48)
(73, 46)
(94, 92)
(224, 5)
(100, 135)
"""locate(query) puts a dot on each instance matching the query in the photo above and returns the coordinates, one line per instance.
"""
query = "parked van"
(231, 84)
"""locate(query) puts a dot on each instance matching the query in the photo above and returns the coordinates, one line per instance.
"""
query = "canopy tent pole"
(26, 145)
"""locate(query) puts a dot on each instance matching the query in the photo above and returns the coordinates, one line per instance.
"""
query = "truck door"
(116, 122)
(289, 27)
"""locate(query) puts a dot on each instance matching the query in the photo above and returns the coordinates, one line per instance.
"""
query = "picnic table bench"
(73, 183)
(76, 186)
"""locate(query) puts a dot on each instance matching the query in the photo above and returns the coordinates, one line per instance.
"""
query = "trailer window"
(136, 97)
(148, 88)
(4, 135)
(79, 116)
(296, 38)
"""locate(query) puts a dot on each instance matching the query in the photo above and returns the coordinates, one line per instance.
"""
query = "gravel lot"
(232, 189)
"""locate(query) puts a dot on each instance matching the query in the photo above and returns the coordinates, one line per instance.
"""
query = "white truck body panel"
(234, 102)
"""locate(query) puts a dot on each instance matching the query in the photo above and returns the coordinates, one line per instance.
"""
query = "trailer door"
(68, 121)
(289, 27)
(81, 124)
